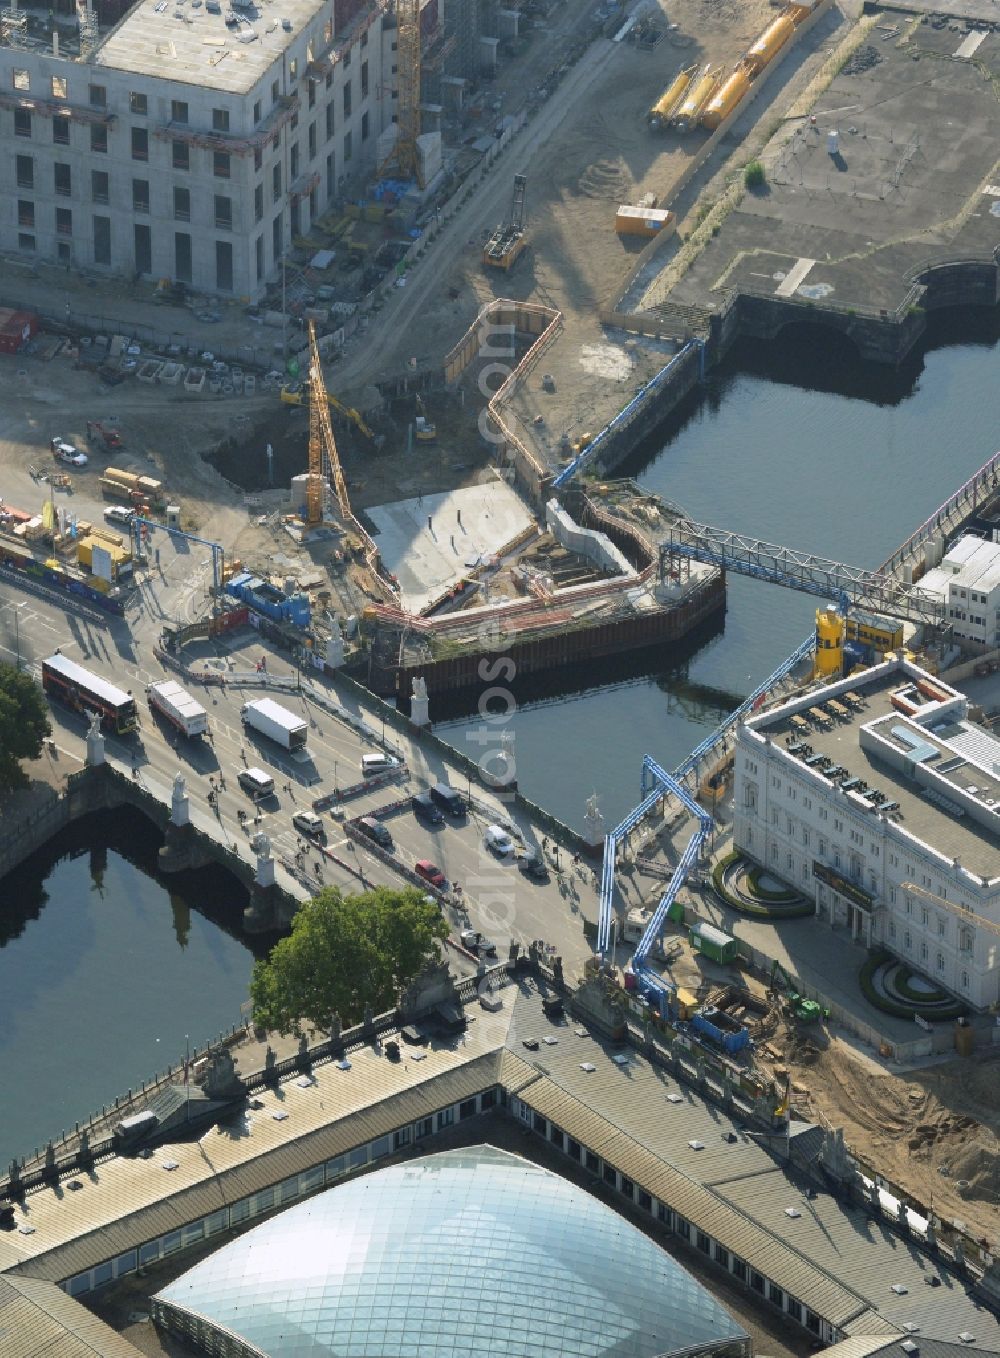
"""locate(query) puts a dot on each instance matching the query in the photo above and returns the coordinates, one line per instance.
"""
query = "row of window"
(277, 1195)
(939, 960)
(100, 192)
(672, 1220)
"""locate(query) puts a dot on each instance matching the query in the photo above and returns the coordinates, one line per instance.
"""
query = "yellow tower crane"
(404, 158)
(324, 460)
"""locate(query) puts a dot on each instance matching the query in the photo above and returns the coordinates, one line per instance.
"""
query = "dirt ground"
(934, 1132)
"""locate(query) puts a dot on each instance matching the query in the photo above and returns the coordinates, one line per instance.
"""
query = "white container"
(833, 143)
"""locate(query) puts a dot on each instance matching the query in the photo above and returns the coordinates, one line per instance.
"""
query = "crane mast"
(324, 460)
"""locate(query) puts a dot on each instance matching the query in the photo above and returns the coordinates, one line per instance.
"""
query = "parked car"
(309, 824)
(119, 515)
(424, 868)
(533, 865)
(424, 806)
(477, 942)
(374, 829)
(65, 452)
(498, 841)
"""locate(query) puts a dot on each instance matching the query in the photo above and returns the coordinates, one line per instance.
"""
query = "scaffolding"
(404, 156)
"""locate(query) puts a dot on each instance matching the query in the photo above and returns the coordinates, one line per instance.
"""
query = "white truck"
(270, 719)
(178, 707)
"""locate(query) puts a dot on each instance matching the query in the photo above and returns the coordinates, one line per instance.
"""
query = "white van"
(256, 782)
(377, 763)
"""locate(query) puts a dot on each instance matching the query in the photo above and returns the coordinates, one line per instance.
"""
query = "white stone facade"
(177, 151)
(819, 827)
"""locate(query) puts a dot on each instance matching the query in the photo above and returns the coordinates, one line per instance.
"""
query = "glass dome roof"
(472, 1251)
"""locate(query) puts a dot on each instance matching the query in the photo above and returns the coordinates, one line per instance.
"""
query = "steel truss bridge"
(851, 588)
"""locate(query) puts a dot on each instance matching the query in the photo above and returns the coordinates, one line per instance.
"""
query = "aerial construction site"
(333, 335)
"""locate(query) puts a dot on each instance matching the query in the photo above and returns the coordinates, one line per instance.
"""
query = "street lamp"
(17, 635)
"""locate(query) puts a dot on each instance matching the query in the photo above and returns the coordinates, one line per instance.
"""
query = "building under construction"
(585, 586)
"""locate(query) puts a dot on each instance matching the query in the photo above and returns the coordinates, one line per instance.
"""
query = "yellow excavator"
(424, 430)
(298, 394)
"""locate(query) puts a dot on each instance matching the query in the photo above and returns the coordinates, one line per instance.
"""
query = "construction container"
(121, 560)
(644, 221)
(964, 1037)
(16, 329)
(662, 111)
(716, 946)
(770, 42)
(695, 100)
(727, 97)
(800, 10)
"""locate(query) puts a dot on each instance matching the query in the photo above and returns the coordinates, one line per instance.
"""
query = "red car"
(424, 868)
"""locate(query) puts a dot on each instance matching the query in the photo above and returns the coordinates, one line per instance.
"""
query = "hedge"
(762, 911)
(893, 1007)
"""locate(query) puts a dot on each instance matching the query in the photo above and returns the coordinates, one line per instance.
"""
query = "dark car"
(426, 808)
(374, 829)
(533, 865)
(449, 799)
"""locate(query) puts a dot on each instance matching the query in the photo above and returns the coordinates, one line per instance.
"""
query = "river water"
(795, 442)
(104, 969)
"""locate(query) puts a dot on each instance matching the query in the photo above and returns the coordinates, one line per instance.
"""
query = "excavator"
(298, 394)
(806, 1011)
(424, 430)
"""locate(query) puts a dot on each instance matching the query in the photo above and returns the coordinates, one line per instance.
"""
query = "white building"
(191, 141)
(968, 580)
(879, 799)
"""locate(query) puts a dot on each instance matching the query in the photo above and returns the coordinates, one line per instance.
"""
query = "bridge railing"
(982, 482)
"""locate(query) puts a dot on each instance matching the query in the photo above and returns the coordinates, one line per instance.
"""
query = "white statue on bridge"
(419, 711)
(95, 742)
(179, 810)
(593, 821)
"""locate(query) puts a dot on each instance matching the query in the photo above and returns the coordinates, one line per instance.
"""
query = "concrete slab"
(431, 542)
(909, 187)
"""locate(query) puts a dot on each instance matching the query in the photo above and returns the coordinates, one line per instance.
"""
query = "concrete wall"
(586, 542)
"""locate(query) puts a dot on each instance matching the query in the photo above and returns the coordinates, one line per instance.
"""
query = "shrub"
(754, 176)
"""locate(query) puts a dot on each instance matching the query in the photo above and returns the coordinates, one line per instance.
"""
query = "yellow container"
(663, 109)
(770, 42)
(643, 221)
(696, 99)
(726, 98)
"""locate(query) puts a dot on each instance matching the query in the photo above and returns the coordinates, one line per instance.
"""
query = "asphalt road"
(500, 900)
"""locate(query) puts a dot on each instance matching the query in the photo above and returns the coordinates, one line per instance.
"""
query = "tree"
(24, 724)
(754, 176)
(345, 952)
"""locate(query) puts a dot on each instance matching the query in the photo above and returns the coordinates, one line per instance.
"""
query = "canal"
(105, 968)
(795, 441)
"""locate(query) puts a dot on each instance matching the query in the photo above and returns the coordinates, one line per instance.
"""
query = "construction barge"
(586, 587)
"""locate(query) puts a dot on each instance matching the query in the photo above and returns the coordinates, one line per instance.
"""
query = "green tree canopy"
(24, 724)
(345, 952)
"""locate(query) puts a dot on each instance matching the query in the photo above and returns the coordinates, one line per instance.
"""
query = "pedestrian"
(243, 753)
(222, 784)
(319, 868)
(430, 524)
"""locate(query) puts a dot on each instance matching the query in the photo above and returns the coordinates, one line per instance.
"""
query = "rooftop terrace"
(930, 818)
